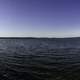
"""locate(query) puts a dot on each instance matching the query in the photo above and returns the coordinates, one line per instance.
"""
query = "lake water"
(39, 59)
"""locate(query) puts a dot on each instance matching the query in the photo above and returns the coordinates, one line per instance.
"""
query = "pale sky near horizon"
(39, 18)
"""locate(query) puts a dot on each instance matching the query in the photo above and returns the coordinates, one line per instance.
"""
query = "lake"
(40, 59)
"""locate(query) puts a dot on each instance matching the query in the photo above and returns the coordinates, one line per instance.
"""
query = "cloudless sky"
(39, 18)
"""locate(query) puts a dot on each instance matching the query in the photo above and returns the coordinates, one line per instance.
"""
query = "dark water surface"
(39, 59)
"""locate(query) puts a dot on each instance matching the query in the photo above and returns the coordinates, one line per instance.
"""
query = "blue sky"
(40, 18)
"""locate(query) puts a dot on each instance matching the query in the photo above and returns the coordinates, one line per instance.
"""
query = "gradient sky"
(40, 18)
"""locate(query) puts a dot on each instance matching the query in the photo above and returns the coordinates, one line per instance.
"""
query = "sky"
(39, 18)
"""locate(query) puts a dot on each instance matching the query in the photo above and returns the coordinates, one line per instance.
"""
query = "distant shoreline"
(39, 38)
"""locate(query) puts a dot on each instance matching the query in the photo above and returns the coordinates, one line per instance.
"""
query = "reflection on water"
(32, 59)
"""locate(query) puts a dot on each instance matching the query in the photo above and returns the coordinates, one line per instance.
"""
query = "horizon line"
(36, 37)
